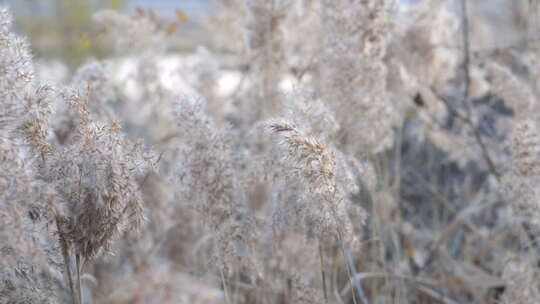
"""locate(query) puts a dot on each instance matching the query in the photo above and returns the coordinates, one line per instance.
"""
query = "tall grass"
(360, 156)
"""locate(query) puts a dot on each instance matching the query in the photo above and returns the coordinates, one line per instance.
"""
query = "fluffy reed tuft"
(316, 164)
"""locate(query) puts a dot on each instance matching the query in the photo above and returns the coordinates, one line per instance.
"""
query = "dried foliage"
(326, 215)
(343, 151)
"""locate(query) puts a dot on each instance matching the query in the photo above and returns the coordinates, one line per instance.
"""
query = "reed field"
(272, 151)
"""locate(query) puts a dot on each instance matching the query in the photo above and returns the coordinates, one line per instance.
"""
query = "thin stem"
(477, 135)
(225, 289)
(335, 271)
(79, 268)
(323, 276)
(351, 269)
(66, 257)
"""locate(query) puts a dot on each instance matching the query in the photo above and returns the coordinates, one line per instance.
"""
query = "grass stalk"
(225, 288)
(323, 275)
(67, 259)
(79, 270)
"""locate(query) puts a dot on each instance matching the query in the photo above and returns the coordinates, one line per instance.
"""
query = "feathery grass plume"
(427, 45)
(317, 119)
(29, 262)
(20, 100)
(328, 215)
(95, 177)
(92, 80)
(301, 39)
(524, 177)
(264, 42)
(291, 201)
(353, 74)
(208, 183)
(522, 181)
(28, 258)
(316, 165)
(16, 73)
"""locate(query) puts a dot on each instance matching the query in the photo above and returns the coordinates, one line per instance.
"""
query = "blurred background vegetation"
(63, 29)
